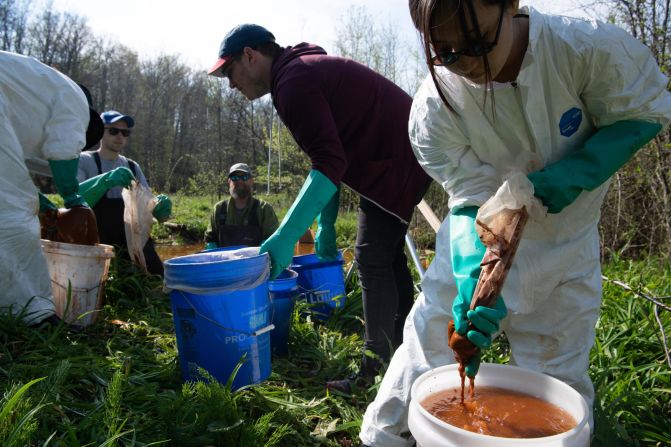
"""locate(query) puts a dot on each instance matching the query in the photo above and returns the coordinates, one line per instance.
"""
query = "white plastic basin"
(430, 431)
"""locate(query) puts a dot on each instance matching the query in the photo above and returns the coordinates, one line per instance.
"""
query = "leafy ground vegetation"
(117, 383)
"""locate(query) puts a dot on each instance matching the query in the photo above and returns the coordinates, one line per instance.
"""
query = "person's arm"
(96, 187)
(325, 239)
(163, 209)
(443, 149)
(585, 169)
(306, 112)
(444, 152)
(467, 252)
(65, 179)
(626, 97)
(312, 198)
(212, 232)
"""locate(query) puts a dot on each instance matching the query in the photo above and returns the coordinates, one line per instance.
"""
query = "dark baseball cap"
(247, 35)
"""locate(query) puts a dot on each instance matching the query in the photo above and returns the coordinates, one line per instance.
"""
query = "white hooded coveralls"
(43, 114)
(577, 75)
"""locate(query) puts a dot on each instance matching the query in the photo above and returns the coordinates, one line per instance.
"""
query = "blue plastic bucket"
(283, 290)
(216, 326)
(322, 283)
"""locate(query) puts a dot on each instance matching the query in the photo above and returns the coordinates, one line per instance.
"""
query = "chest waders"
(109, 213)
(249, 233)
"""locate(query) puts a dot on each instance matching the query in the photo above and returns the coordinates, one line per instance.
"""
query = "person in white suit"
(564, 101)
(44, 116)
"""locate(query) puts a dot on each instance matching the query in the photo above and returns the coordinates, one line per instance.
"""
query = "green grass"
(118, 382)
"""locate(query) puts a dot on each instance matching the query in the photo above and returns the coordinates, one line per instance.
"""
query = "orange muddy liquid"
(499, 412)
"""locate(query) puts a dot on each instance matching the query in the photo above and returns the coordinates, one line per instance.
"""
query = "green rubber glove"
(467, 253)
(163, 208)
(211, 245)
(95, 188)
(312, 198)
(560, 183)
(486, 320)
(45, 203)
(325, 238)
(65, 179)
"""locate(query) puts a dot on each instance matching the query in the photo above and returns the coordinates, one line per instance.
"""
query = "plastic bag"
(139, 203)
(217, 271)
(516, 192)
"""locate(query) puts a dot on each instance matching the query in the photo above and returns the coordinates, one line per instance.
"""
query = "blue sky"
(194, 28)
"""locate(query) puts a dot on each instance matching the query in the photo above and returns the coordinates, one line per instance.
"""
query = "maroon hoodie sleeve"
(305, 111)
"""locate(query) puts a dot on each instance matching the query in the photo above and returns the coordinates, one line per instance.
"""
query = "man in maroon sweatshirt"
(353, 124)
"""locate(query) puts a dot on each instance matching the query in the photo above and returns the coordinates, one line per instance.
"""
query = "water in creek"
(169, 251)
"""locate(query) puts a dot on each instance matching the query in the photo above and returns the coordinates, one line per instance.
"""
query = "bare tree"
(13, 25)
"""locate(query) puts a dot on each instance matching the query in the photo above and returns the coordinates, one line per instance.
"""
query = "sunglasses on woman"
(476, 48)
(115, 131)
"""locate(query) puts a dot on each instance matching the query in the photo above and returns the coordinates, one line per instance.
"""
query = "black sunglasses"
(236, 177)
(476, 47)
(229, 69)
(114, 131)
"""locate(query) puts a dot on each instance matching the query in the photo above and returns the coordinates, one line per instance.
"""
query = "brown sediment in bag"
(500, 412)
(75, 225)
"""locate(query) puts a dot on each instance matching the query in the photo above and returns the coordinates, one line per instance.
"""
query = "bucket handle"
(255, 333)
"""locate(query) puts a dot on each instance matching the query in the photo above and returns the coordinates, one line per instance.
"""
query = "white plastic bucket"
(430, 431)
(86, 268)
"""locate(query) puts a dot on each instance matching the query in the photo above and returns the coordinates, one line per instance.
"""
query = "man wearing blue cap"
(103, 192)
(352, 123)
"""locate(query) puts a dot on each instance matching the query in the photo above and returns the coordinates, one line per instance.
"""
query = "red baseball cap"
(247, 35)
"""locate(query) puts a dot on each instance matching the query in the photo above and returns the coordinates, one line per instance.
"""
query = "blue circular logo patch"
(570, 121)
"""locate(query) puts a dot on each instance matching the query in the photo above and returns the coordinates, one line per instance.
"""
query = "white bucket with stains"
(83, 269)
(430, 431)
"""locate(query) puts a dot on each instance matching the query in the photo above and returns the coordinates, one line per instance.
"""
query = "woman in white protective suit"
(566, 102)
(43, 115)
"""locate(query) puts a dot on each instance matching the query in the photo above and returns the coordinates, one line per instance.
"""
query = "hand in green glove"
(467, 253)
(312, 198)
(486, 320)
(95, 188)
(163, 208)
(65, 179)
(211, 245)
(46, 204)
(559, 184)
(325, 239)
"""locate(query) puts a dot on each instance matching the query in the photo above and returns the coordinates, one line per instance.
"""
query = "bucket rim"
(174, 262)
(311, 260)
(293, 275)
(495, 366)
(284, 284)
(65, 248)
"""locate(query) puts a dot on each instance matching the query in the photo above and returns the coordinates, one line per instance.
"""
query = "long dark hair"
(422, 13)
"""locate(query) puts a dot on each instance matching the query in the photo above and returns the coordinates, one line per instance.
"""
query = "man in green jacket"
(242, 219)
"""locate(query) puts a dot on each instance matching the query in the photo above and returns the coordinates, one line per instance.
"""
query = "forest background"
(193, 127)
